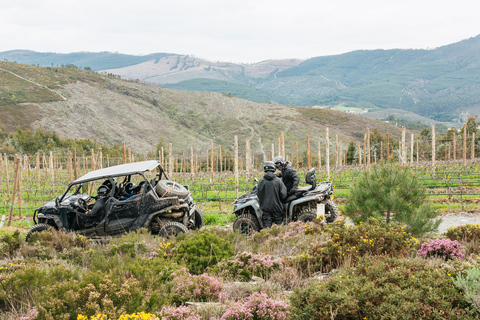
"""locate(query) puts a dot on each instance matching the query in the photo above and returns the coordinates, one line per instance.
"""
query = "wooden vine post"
(124, 152)
(327, 150)
(472, 148)
(14, 193)
(433, 149)
(309, 154)
(465, 147)
(236, 167)
(368, 148)
(411, 148)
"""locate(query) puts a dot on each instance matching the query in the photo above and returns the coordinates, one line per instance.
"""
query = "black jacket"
(271, 191)
(290, 178)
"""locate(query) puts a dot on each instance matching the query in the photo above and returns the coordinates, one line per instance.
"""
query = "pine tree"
(392, 192)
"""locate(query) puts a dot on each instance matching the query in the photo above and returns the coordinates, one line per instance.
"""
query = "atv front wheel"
(246, 224)
(172, 229)
(37, 228)
(331, 211)
(307, 214)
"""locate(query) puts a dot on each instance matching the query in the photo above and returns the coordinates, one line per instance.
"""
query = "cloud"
(237, 31)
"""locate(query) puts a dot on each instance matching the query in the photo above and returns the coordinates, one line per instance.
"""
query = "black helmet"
(129, 187)
(269, 166)
(102, 191)
(279, 162)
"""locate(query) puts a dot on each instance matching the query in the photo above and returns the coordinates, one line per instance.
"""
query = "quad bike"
(302, 206)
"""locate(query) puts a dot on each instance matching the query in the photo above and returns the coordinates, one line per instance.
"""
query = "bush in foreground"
(469, 232)
(470, 285)
(347, 243)
(258, 306)
(383, 288)
(203, 250)
(441, 248)
(246, 264)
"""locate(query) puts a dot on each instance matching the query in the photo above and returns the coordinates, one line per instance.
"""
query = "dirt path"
(35, 83)
(458, 219)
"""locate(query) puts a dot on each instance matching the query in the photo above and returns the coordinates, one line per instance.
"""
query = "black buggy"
(131, 201)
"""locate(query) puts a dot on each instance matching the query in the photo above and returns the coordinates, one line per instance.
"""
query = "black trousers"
(269, 218)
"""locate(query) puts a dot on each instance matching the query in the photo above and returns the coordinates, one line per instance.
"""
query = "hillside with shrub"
(437, 83)
(81, 104)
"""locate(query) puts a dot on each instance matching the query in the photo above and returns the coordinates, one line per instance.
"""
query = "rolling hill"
(438, 84)
(84, 104)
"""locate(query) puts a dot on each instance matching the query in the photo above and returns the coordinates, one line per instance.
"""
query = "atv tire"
(172, 229)
(167, 188)
(198, 218)
(331, 211)
(246, 224)
(307, 214)
(37, 228)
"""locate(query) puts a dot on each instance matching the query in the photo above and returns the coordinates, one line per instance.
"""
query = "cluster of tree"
(26, 141)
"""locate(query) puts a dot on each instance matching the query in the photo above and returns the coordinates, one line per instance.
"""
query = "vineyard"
(30, 181)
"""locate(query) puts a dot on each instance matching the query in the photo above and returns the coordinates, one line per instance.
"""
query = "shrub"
(245, 265)
(187, 287)
(457, 267)
(9, 244)
(96, 293)
(470, 285)
(25, 285)
(258, 306)
(203, 250)
(467, 232)
(382, 288)
(444, 248)
(179, 313)
(392, 192)
(47, 244)
(31, 315)
(342, 242)
(134, 316)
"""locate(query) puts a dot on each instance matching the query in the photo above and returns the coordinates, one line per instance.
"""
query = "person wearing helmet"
(271, 192)
(129, 191)
(289, 176)
(89, 218)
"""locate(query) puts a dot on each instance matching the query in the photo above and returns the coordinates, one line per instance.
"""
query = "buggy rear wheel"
(172, 229)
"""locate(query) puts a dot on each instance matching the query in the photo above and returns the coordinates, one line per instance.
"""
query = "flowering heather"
(257, 306)
(246, 264)
(31, 315)
(180, 313)
(188, 287)
(293, 230)
(441, 248)
(135, 316)
(460, 267)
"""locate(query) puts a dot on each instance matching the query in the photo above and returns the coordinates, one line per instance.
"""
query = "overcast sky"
(235, 30)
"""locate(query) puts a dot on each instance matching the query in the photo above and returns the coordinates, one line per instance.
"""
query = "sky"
(240, 31)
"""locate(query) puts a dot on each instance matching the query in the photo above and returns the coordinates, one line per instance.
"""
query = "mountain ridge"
(112, 110)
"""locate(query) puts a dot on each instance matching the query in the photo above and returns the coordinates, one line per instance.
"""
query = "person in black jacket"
(271, 192)
(91, 217)
(289, 176)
